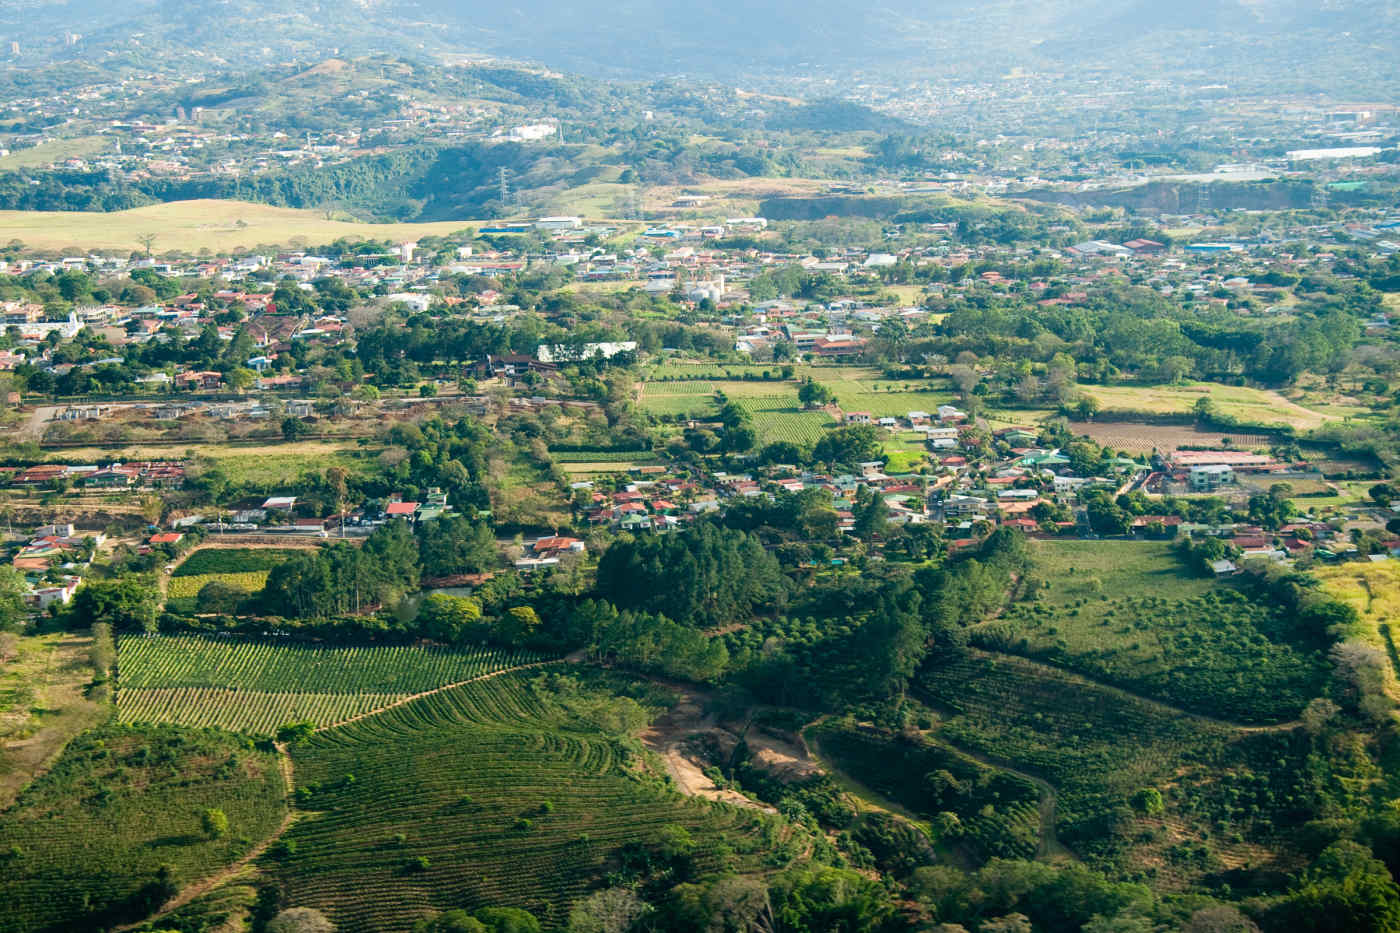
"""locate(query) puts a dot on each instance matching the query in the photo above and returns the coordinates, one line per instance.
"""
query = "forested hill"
(1242, 41)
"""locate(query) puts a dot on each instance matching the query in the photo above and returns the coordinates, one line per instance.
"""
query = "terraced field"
(256, 685)
(513, 800)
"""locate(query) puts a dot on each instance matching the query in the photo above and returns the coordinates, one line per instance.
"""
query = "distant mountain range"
(1352, 42)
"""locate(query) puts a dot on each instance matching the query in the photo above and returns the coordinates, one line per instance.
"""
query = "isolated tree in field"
(964, 377)
(814, 395)
(217, 598)
(147, 241)
(300, 920)
(508, 920)
(214, 822)
(446, 618)
(152, 508)
(293, 732)
(1148, 801)
(294, 428)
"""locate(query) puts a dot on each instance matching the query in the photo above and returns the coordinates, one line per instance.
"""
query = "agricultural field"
(242, 569)
(601, 456)
(189, 585)
(1137, 438)
(999, 812)
(257, 685)
(189, 226)
(212, 561)
(44, 702)
(521, 794)
(1130, 614)
(779, 418)
(1250, 406)
(84, 844)
(1098, 747)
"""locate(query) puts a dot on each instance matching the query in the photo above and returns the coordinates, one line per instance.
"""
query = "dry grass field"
(1255, 406)
(190, 226)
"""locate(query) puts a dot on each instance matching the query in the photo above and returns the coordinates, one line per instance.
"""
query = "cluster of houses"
(142, 474)
(51, 563)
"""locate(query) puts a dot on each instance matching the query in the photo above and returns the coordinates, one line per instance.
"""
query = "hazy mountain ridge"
(726, 38)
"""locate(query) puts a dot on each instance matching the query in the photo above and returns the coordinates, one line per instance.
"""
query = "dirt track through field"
(1122, 694)
(202, 887)
(428, 693)
(284, 761)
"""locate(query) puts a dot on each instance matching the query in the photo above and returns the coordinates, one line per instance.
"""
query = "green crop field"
(1131, 614)
(778, 418)
(518, 796)
(256, 685)
(1097, 747)
(188, 586)
(82, 846)
(232, 560)
(999, 812)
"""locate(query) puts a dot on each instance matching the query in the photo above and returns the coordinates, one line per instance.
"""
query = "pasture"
(44, 702)
(191, 226)
(1249, 406)
(256, 685)
(1130, 614)
(84, 844)
(524, 792)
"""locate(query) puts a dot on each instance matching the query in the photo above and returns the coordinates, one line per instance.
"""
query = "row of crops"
(998, 811)
(211, 560)
(507, 803)
(274, 665)
(244, 710)
(777, 418)
(188, 586)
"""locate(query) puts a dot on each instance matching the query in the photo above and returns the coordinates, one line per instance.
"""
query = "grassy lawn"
(78, 147)
(44, 702)
(189, 226)
(1255, 406)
